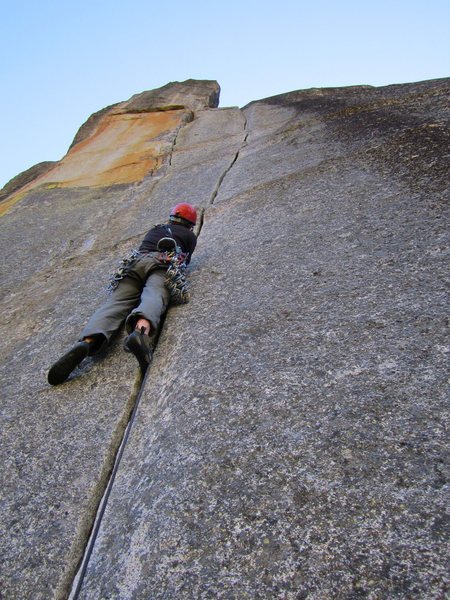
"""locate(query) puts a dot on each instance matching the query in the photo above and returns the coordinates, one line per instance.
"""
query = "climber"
(140, 296)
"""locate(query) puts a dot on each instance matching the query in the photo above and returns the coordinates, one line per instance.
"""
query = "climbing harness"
(173, 258)
(172, 255)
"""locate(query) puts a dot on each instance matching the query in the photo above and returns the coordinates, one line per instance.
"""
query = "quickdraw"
(176, 281)
(122, 269)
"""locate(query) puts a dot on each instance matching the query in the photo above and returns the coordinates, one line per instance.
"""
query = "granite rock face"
(289, 439)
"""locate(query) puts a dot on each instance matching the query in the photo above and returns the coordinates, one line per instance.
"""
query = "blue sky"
(63, 60)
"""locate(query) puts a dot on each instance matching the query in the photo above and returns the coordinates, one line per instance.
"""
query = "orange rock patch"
(123, 149)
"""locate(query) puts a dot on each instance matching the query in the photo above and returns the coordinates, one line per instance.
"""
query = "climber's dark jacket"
(183, 236)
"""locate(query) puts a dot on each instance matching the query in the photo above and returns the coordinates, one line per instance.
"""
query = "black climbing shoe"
(62, 368)
(138, 343)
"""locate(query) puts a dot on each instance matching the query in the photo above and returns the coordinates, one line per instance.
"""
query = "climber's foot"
(138, 343)
(62, 368)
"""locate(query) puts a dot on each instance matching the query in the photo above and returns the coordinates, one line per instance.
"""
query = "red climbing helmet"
(184, 212)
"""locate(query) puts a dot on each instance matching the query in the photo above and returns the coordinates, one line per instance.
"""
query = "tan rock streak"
(124, 148)
(122, 143)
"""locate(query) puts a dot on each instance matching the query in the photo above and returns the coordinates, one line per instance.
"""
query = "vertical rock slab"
(205, 151)
(59, 242)
(290, 441)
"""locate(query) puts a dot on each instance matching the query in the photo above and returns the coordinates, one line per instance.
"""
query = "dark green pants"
(141, 293)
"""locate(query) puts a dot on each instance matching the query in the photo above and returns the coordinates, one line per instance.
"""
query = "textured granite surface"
(58, 444)
(290, 439)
